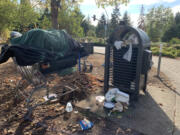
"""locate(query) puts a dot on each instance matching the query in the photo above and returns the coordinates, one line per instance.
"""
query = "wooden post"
(159, 62)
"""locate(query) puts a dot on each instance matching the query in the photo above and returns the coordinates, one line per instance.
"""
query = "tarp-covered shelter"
(56, 47)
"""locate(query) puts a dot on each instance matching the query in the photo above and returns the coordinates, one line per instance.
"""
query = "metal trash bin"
(127, 60)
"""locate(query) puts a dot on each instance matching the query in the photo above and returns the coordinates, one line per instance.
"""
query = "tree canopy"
(158, 20)
(126, 18)
(115, 17)
(100, 30)
(23, 15)
(173, 31)
(103, 3)
(141, 20)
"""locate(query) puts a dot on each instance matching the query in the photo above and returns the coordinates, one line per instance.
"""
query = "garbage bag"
(118, 95)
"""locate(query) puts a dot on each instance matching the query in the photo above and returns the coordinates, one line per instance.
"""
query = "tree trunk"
(55, 4)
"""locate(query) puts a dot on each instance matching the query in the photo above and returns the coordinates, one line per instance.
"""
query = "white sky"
(89, 8)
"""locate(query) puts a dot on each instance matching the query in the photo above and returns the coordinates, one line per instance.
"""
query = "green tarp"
(56, 41)
(65, 50)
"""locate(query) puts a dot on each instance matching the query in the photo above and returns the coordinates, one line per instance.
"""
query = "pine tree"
(100, 30)
(177, 18)
(115, 17)
(141, 20)
(85, 26)
(126, 18)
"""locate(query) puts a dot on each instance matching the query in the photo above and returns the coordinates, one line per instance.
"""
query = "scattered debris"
(118, 107)
(109, 105)
(74, 87)
(86, 124)
(117, 95)
(100, 99)
(51, 96)
(76, 112)
(48, 119)
(69, 107)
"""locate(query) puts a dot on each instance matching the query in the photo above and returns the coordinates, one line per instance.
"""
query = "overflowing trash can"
(127, 60)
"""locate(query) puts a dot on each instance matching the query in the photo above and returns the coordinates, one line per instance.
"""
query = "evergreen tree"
(141, 20)
(100, 30)
(126, 18)
(86, 26)
(177, 18)
(170, 33)
(115, 17)
(160, 19)
(174, 30)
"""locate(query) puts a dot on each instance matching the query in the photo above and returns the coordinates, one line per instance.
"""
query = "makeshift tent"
(41, 46)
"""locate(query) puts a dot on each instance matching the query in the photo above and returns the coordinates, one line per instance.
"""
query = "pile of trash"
(77, 86)
(13, 111)
(114, 100)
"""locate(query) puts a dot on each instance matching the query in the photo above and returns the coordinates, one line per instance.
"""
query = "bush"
(4, 35)
(171, 51)
(178, 53)
(155, 50)
(171, 54)
(155, 44)
(174, 41)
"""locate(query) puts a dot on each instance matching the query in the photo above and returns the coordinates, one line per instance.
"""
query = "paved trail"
(171, 67)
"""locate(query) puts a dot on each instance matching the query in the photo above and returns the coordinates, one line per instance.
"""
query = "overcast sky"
(88, 7)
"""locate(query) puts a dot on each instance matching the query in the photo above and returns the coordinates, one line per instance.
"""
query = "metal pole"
(79, 62)
(159, 62)
(105, 31)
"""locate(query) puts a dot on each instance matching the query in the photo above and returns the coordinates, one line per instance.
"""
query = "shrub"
(170, 54)
(153, 44)
(177, 46)
(155, 50)
(4, 35)
(174, 41)
(178, 53)
(167, 51)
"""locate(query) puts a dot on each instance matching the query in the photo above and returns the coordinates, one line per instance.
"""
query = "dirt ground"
(51, 119)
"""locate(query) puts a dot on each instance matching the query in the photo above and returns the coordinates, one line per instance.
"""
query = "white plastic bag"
(118, 44)
(134, 39)
(127, 56)
(118, 95)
